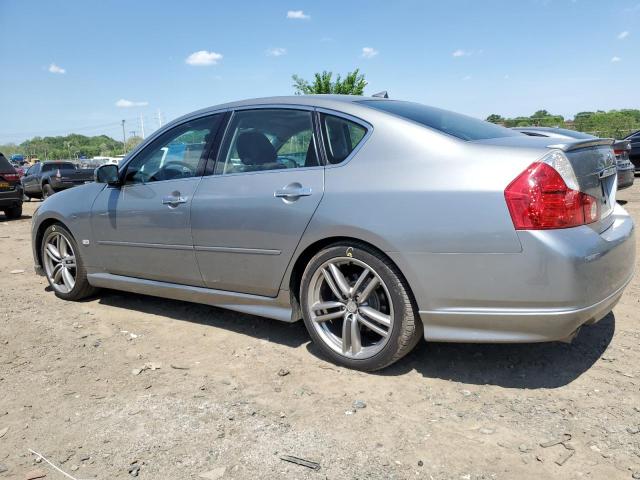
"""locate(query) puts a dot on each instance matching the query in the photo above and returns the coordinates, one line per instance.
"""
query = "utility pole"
(124, 139)
(142, 126)
(159, 119)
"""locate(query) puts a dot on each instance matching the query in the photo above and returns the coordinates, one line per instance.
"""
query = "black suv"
(10, 189)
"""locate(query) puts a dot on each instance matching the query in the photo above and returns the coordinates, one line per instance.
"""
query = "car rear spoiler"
(578, 144)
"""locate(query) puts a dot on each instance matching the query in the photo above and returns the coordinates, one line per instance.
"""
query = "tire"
(13, 212)
(370, 345)
(59, 284)
(47, 191)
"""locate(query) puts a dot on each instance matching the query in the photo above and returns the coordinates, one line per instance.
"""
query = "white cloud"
(122, 103)
(616, 59)
(53, 68)
(368, 52)
(298, 15)
(276, 52)
(468, 77)
(203, 58)
(623, 35)
(460, 53)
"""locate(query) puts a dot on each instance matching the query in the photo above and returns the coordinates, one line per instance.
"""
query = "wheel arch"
(46, 223)
(301, 261)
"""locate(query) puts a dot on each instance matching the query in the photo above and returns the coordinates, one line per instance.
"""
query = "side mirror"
(107, 174)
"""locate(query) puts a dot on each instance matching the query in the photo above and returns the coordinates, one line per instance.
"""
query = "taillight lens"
(11, 177)
(539, 199)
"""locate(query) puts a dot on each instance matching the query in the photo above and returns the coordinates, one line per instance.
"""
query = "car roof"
(328, 101)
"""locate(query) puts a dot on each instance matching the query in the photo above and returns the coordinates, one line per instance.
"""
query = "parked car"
(43, 179)
(621, 149)
(378, 222)
(634, 154)
(10, 189)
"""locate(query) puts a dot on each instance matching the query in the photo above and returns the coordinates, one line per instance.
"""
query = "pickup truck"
(46, 178)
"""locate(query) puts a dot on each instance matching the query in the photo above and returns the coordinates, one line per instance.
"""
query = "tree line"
(610, 124)
(69, 147)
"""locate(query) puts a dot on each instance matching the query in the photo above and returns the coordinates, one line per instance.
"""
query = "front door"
(142, 229)
(248, 217)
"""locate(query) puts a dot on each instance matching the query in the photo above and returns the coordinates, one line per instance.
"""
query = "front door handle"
(293, 193)
(174, 199)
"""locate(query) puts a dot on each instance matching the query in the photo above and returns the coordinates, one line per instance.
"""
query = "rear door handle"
(293, 193)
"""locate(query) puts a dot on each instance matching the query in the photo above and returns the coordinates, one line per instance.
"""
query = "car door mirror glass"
(107, 174)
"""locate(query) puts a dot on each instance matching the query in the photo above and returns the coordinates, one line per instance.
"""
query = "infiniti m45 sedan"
(378, 222)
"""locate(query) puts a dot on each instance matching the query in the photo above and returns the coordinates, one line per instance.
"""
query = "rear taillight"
(11, 177)
(539, 198)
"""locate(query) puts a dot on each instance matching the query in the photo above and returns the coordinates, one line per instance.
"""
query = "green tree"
(495, 118)
(352, 84)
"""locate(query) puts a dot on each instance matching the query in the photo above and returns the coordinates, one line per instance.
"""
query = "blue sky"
(67, 65)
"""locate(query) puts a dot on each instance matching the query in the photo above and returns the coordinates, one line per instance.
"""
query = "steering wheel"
(288, 162)
(183, 168)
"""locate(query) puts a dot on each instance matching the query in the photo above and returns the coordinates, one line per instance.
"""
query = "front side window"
(341, 137)
(267, 139)
(174, 155)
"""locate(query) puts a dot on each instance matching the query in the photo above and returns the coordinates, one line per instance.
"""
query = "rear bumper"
(11, 198)
(561, 280)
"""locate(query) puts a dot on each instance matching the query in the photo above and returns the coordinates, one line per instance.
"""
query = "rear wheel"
(47, 191)
(357, 307)
(13, 212)
(63, 264)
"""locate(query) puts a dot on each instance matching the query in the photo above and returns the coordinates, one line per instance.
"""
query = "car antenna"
(382, 94)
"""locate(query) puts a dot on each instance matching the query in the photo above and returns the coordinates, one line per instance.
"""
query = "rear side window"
(341, 137)
(455, 124)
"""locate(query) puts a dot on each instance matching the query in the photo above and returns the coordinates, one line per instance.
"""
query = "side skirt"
(278, 308)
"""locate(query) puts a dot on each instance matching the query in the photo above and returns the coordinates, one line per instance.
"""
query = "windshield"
(456, 124)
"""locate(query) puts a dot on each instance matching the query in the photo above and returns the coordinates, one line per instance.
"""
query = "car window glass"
(267, 139)
(455, 124)
(175, 155)
(341, 137)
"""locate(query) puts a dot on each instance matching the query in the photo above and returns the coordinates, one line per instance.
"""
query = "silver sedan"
(378, 222)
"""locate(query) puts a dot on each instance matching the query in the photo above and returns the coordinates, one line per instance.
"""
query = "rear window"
(455, 124)
(47, 167)
(5, 165)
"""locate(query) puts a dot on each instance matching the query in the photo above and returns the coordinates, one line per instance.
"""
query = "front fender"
(72, 208)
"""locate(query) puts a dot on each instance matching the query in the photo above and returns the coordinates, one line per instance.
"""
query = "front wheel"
(63, 264)
(357, 307)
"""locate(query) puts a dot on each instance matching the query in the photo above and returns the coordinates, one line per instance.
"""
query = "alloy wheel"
(350, 307)
(59, 262)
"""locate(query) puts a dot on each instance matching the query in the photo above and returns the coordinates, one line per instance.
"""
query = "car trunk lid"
(594, 165)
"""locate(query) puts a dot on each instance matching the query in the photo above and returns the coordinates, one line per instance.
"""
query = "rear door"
(143, 227)
(248, 217)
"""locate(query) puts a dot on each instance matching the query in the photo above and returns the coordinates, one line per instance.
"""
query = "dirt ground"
(225, 395)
